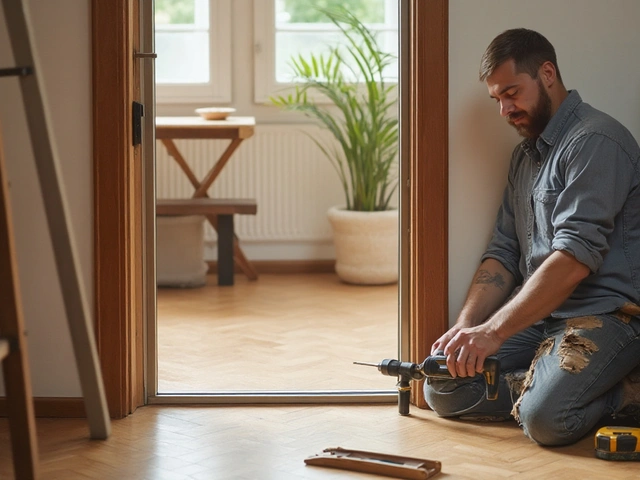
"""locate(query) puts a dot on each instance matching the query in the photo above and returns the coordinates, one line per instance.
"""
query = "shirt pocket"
(544, 205)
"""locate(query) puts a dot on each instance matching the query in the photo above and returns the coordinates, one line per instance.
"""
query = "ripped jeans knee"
(574, 378)
(574, 369)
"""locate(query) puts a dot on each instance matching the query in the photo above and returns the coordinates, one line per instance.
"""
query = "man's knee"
(437, 400)
(449, 398)
(545, 424)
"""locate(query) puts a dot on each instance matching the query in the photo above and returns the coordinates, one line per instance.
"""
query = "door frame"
(117, 207)
(119, 202)
(425, 130)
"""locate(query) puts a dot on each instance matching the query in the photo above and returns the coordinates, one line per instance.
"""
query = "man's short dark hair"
(528, 49)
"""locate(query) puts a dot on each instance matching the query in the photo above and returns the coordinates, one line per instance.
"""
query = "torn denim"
(559, 378)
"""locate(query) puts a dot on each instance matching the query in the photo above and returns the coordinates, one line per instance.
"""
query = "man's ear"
(547, 73)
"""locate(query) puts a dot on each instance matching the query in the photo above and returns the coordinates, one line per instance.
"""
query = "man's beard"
(538, 118)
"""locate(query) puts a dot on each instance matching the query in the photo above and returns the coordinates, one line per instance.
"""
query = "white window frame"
(265, 82)
(264, 49)
(218, 89)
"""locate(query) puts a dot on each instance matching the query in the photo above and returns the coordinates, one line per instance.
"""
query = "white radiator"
(280, 166)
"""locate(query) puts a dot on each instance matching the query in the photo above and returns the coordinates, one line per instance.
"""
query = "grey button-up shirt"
(576, 188)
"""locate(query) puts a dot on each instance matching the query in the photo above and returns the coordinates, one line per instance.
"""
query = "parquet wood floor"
(282, 332)
(288, 332)
(271, 443)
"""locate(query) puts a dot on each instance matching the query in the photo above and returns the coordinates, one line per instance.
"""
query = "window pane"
(305, 11)
(172, 12)
(182, 41)
(388, 42)
(183, 57)
(289, 44)
(301, 30)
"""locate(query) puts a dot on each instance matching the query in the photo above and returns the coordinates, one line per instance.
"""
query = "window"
(193, 43)
(284, 28)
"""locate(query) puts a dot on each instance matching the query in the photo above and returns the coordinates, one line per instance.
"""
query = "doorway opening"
(119, 196)
(293, 334)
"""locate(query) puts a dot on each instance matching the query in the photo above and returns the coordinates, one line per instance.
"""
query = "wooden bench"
(219, 212)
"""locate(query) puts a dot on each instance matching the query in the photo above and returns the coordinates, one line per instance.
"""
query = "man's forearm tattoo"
(485, 277)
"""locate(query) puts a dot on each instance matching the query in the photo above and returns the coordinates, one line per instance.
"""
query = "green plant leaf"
(364, 128)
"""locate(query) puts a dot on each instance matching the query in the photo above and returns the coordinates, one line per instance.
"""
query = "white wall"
(62, 35)
(598, 46)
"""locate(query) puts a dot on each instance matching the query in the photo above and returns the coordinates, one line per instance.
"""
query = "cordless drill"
(434, 366)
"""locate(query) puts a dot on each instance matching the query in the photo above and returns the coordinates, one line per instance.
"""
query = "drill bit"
(368, 364)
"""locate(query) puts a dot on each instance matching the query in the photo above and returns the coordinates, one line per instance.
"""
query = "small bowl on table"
(215, 113)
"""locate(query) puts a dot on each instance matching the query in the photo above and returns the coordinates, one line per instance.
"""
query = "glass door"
(293, 334)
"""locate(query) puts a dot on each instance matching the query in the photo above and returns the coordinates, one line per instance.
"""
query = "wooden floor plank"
(271, 442)
(306, 330)
(285, 332)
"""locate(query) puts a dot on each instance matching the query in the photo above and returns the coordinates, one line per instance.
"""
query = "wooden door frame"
(425, 129)
(117, 205)
(117, 191)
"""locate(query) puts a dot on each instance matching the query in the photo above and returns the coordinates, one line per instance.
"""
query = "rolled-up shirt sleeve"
(596, 185)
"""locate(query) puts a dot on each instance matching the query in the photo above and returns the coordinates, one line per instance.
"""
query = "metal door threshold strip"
(276, 397)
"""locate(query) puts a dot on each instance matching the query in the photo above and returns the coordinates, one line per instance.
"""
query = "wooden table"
(235, 129)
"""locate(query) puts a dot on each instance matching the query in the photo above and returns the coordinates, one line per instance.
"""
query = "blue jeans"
(558, 378)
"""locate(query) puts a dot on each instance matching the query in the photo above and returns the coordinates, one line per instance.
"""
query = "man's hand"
(467, 348)
(491, 286)
(438, 345)
(474, 338)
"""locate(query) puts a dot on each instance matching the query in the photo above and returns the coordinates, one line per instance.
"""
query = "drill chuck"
(394, 368)
(434, 366)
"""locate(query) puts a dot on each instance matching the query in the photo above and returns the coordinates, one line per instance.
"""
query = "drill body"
(434, 366)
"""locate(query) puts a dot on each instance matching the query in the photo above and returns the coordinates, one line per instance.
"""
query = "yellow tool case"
(618, 443)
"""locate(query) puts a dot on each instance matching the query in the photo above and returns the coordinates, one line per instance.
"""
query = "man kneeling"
(557, 294)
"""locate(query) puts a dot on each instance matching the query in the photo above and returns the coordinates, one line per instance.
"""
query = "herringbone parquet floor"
(302, 332)
(282, 332)
(271, 443)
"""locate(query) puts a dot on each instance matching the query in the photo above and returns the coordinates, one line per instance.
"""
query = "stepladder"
(13, 340)
(13, 345)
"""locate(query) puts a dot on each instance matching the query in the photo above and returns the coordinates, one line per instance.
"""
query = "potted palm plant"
(344, 90)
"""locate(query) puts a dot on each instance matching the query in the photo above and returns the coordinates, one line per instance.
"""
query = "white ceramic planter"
(366, 245)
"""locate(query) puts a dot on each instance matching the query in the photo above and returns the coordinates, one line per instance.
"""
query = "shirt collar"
(556, 124)
(558, 121)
